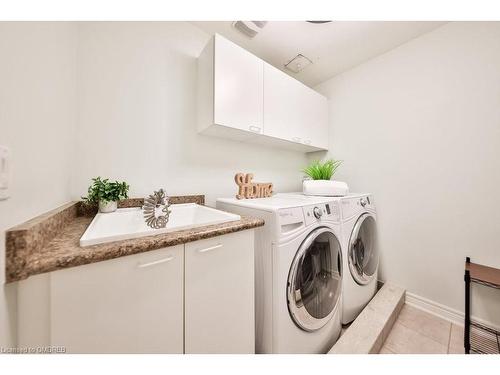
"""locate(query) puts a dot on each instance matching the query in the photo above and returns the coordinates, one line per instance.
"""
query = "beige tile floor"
(418, 332)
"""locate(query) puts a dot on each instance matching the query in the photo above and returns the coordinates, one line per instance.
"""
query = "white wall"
(37, 123)
(137, 117)
(420, 128)
(116, 100)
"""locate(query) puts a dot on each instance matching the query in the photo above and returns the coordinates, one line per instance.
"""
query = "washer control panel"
(322, 211)
(318, 212)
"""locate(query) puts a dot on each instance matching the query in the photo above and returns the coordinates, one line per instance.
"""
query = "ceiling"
(332, 47)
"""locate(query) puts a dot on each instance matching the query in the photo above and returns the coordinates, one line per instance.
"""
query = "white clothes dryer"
(361, 253)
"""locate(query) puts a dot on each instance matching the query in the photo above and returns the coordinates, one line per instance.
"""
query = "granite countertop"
(51, 241)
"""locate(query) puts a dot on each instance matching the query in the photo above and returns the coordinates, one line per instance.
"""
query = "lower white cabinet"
(132, 304)
(192, 298)
(219, 295)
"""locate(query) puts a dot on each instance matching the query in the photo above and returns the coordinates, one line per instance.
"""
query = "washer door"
(315, 280)
(363, 252)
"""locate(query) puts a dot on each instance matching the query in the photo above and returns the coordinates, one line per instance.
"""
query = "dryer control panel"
(319, 212)
(355, 205)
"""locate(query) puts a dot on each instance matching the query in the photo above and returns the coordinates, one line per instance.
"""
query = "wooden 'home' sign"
(248, 189)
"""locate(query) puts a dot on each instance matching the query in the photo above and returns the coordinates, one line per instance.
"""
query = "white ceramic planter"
(106, 207)
(325, 188)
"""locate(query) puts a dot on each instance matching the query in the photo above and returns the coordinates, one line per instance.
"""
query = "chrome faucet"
(156, 209)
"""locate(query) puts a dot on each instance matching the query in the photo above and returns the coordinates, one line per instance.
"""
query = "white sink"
(126, 223)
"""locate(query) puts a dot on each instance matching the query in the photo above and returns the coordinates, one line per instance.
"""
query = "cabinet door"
(293, 111)
(314, 117)
(219, 294)
(238, 87)
(282, 105)
(132, 304)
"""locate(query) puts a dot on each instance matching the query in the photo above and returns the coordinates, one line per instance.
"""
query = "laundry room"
(191, 184)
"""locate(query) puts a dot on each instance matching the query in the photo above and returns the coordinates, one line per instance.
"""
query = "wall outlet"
(4, 173)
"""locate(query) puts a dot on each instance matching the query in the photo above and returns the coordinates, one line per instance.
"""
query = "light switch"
(4, 173)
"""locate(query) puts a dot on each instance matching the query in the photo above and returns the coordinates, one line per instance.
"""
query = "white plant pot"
(106, 207)
(325, 188)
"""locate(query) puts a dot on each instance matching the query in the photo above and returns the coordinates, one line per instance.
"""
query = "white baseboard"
(434, 308)
(442, 311)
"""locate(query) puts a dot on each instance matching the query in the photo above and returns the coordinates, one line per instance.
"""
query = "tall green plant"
(103, 190)
(322, 171)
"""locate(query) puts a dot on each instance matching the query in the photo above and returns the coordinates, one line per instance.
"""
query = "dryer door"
(363, 252)
(315, 280)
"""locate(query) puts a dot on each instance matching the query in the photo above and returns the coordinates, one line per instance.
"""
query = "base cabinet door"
(132, 304)
(219, 294)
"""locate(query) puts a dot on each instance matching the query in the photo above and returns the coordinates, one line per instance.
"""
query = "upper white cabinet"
(238, 89)
(243, 98)
(230, 90)
(314, 113)
(282, 109)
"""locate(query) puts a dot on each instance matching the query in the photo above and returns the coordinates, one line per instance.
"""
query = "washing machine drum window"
(362, 252)
(315, 280)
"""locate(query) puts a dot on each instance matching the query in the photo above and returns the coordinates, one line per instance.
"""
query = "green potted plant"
(319, 179)
(106, 194)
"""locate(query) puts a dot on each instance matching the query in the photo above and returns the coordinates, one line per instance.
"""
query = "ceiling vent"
(249, 28)
(298, 63)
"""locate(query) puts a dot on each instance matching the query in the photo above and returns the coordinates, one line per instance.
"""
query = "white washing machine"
(359, 250)
(361, 254)
(298, 272)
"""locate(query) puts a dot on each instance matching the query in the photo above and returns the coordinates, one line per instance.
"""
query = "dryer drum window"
(315, 280)
(363, 252)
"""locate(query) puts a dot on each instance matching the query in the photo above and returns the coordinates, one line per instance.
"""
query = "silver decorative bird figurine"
(156, 209)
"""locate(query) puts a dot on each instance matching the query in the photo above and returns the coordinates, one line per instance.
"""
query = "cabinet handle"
(255, 129)
(210, 248)
(160, 261)
(307, 142)
(296, 139)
